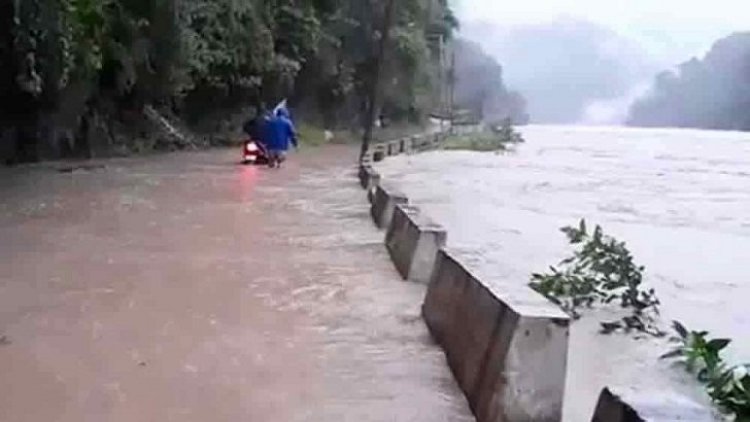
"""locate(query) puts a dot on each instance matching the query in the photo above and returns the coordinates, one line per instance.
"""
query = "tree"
(712, 93)
(372, 102)
(70, 60)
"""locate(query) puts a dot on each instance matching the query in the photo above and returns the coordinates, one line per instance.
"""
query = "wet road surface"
(679, 198)
(187, 288)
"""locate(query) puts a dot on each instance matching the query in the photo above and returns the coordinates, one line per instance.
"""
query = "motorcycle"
(254, 152)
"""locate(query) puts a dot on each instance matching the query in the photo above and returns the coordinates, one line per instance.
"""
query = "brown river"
(679, 198)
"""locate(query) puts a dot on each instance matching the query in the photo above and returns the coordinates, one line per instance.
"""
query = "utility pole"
(372, 107)
(441, 77)
(452, 81)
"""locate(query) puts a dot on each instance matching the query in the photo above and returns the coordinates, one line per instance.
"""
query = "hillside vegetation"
(712, 93)
(480, 87)
(76, 76)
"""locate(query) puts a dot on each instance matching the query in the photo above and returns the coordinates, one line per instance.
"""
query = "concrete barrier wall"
(423, 142)
(379, 151)
(509, 355)
(413, 242)
(384, 203)
(368, 177)
(373, 181)
(617, 406)
(396, 147)
(507, 349)
(362, 175)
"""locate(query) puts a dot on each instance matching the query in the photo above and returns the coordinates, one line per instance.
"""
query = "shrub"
(496, 139)
(506, 132)
(728, 386)
(601, 270)
(311, 135)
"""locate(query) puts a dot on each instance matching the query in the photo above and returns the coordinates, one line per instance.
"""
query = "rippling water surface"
(680, 198)
(184, 287)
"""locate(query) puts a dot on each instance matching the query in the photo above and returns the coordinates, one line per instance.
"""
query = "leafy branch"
(728, 386)
(602, 270)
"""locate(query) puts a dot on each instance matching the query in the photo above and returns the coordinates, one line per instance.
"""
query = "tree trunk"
(372, 106)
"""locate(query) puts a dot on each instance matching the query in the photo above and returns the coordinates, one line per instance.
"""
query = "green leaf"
(718, 344)
(681, 330)
(601, 271)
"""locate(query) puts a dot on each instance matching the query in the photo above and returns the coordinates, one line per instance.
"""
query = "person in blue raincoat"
(280, 136)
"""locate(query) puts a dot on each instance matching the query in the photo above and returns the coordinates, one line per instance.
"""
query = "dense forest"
(480, 87)
(713, 93)
(88, 77)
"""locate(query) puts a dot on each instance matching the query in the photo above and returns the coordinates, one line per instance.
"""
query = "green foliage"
(499, 139)
(297, 31)
(482, 142)
(226, 43)
(728, 386)
(678, 98)
(479, 87)
(208, 57)
(602, 270)
(311, 135)
(86, 29)
(506, 132)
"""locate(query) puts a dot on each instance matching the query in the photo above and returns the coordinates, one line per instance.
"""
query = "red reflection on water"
(247, 181)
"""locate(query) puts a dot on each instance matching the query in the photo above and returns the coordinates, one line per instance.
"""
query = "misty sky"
(675, 30)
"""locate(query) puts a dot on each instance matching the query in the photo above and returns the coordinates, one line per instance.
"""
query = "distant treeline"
(564, 66)
(480, 88)
(713, 93)
(77, 75)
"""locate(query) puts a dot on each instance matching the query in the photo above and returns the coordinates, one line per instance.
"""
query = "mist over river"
(679, 198)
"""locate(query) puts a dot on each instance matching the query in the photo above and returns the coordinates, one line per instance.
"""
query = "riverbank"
(677, 197)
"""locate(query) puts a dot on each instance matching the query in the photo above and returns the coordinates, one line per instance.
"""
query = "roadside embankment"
(508, 353)
(507, 346)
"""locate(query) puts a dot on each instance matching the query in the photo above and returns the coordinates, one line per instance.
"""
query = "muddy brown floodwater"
(188, 288)
(680, 198)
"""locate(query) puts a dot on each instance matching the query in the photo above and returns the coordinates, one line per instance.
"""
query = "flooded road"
(680, 198)
(188, 288)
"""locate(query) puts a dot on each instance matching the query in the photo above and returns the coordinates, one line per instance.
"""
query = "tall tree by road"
(372, 101)
(200, 61)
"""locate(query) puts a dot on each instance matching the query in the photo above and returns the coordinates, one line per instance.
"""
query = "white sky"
(664, 27)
